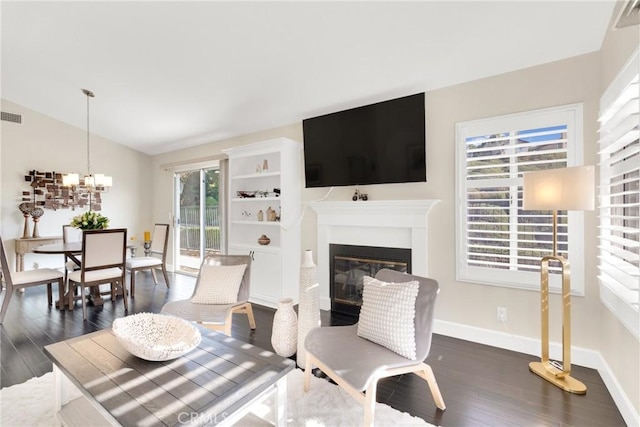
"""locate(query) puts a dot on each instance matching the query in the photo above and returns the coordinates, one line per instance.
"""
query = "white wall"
(45, 144)
(563, 82)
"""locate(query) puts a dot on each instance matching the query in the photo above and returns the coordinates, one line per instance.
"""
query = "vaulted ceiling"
(168, 75)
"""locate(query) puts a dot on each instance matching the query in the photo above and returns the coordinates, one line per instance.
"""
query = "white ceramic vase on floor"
(285, 329)
(309, 305)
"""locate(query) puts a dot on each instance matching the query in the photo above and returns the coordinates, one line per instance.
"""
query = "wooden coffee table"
(214, 384)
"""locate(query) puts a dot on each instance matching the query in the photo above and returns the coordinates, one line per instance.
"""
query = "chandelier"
(92, 182)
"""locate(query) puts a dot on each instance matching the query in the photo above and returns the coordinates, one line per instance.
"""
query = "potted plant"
(90, 221)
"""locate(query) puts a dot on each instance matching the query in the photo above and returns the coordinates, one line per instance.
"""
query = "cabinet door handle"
(251, 253)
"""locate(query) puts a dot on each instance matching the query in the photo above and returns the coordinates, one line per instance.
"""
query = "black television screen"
(375, 144)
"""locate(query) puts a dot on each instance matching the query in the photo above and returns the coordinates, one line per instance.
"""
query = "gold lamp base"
(566, 382)
(558, 375)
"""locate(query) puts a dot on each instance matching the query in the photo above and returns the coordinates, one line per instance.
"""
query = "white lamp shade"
(98, 179)
(70, 179)
(569, 189)
(107, 181)
(89, 181)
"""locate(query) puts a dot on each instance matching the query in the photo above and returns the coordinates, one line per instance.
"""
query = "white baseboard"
(624, 404)
(579, 356)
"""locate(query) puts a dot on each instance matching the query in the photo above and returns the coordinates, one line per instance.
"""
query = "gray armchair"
(356, 364)
(216, 316)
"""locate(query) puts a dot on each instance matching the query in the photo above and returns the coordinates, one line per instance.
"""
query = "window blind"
(499, 233)
(619, 194)
(498, 241)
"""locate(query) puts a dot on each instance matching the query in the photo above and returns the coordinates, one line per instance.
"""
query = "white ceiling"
(168, 75)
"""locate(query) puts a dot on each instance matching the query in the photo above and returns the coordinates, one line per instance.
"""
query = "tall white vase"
(285, 329)
(309, 305)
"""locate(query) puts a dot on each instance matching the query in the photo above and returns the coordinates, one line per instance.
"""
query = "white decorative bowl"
(156, 337)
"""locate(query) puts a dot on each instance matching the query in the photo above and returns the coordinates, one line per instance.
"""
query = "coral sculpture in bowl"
(156, 337)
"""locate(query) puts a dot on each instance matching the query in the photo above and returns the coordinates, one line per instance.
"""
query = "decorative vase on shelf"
(264, 240)
(309, 305)
(285, 329)
(271, 214)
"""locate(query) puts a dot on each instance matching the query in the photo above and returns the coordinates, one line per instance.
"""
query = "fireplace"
(395, 224)
(349, 264)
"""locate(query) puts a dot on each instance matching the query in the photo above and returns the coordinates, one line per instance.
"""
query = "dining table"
(72, 250)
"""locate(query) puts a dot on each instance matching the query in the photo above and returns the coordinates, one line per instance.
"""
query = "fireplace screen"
(350, 264)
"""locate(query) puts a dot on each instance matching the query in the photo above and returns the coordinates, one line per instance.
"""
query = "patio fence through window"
(190, 228)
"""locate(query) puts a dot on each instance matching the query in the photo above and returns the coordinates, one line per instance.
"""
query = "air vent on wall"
(10, 117)
(629, 14)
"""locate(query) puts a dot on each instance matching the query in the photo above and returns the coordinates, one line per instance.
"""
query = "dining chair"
(25, 279)
(392, 337)
(70, 234)
(103, 261)
(158, 252)
(222, 289)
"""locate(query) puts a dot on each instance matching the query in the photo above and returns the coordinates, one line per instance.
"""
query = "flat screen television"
(380, 143)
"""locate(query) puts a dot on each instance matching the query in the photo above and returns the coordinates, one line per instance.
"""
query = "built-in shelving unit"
(267, 176)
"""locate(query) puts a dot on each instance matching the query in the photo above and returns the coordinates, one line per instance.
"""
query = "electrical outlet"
(501, 314)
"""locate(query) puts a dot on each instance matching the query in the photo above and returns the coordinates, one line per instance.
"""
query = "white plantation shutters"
(498, 243)
(619, 192)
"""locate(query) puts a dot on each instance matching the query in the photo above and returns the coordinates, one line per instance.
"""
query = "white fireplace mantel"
(381, 223)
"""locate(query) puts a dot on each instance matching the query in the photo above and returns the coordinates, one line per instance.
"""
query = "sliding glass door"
(198, 213)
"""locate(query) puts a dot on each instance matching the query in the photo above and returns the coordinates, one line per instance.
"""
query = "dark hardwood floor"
(481, 385)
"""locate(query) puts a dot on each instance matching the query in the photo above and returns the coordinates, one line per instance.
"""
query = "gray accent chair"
(26, 279)
(216, 316)
(158, 258)
(103, 258)
(356, 364)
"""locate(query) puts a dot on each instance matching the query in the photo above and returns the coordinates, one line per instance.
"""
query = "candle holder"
(147, 247)
(26, 209)
(36, 213)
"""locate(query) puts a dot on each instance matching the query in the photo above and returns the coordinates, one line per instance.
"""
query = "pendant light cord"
(89, 95)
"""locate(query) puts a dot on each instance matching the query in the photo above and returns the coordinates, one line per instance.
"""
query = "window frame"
(619, 306)
(570, 115)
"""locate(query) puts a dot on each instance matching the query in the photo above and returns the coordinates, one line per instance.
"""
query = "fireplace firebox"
(349, 264)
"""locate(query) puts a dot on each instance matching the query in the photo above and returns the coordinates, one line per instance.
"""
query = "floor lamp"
(558, 189)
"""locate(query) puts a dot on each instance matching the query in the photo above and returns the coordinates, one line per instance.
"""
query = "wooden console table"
(24, 246)
(215, 384)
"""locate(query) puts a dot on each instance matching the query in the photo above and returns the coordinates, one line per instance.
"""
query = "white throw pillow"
(219, 284)
(387, 315)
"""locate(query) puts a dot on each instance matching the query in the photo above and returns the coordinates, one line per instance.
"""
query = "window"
(497, 242)
(198, 209)
(619, 191)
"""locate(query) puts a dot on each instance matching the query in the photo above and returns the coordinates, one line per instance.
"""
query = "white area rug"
(31, 404)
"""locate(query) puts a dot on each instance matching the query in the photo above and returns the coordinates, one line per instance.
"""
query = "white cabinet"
(267, 177)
